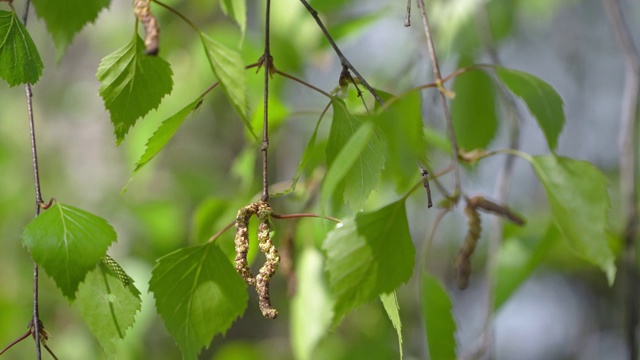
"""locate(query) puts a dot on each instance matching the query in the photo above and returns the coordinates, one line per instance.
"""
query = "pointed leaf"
(438, 319)
(311, 308)
(198, 295)
(68, 243)
(108, 306)
(391, 307)
(237, 10)
(401, 124)
(228, 67)
(517, 260)
(473, 110)
(542, 100)
(62, 26)
(20, 61)
(365, 154)
(164, 133)
(132, 84)
(577, 193)
(368, 255)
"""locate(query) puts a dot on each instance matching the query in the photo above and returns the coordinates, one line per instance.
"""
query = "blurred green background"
(566, 310)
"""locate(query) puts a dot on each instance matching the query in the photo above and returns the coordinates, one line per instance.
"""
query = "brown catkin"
(242, 243)
(463, 261)
(142, 11)
(271, 264)
(489, 206)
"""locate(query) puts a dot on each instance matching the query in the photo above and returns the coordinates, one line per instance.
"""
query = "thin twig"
(443, 98)
(16, 341)
(297, 216)
(298, 80)
(407, 19)
(179, 14)
(267, 61)
(219, 233)
(343, 60)
(628, 169)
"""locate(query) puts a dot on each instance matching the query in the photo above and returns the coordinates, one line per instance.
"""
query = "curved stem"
(291, 77)
(179, 14)
(16, 341)
(219, 233)
(298, 216)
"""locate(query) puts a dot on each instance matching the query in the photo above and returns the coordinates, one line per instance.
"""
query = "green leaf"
(132, 84)
(368, 255)
(108, 305)
(577, 193)
(401, 125)
(61, 25)
(312, 306)
(68, 243)
(228, 67)
(438, 320)
(355, 156)
(198, 295)
(237, 10)
(517, 260)
(20, 61)
(306, 155)
(542, 100)
(473, 110)
(391, 307)
(165, 132)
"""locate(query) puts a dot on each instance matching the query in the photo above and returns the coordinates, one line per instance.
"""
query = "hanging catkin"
(142, 10)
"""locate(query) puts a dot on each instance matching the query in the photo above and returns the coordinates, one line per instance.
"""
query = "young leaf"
(577, 193)
(227, 66)
(165, 132)
(359, 164)
(368, 255)
(198, 295)
(108, 306)
(391, 307)
(237, 10)
(62, 26)
(542, 100)
(401, 125)
(20, 61)
(473, 110)
(438, 320)
(311, 308)
(68, 243)
(132, 84)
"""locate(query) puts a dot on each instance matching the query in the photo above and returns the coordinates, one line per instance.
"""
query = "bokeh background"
(565, 310)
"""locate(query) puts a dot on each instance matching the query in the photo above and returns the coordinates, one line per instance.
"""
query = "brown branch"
(267, 61)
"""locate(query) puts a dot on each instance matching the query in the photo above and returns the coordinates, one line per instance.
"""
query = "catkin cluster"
(263, 212)
(142, 11)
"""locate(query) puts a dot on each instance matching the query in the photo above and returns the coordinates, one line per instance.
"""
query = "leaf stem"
(219, 233)
(291, 77)
(443, 98)
(297, 216)
(343, 60)
(179, 14)
(16, 341)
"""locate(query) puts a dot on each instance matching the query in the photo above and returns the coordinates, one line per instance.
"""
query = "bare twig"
(443, 97)
(407, 19)
(267, 61)
(343, 60)
(628, 169)
(300, 81)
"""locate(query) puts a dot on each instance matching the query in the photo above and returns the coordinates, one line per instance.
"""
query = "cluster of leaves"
(197, 291)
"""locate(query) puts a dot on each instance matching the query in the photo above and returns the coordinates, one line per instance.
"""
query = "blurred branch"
(443, 98)
(628, 170)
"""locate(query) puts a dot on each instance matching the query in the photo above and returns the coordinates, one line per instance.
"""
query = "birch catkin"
(142, 11)
(463, 261)
(271, 264)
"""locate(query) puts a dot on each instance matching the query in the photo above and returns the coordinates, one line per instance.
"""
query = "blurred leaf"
(355, 26)
(542, 100)
(20, 61)
(501, 17)
(165, 133)
(473, 110)
(327, 5)
(237, 10)
(311, 308)
(355, 157)
(517, 260)
(368, 255)
(391, 307)
(308, 153)
(108, 306)
(227, 66)
(438, 319)
(577, 193)
(68, 243)
(198, 295)
(132, 84)
(62, 26)
(401, 125)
